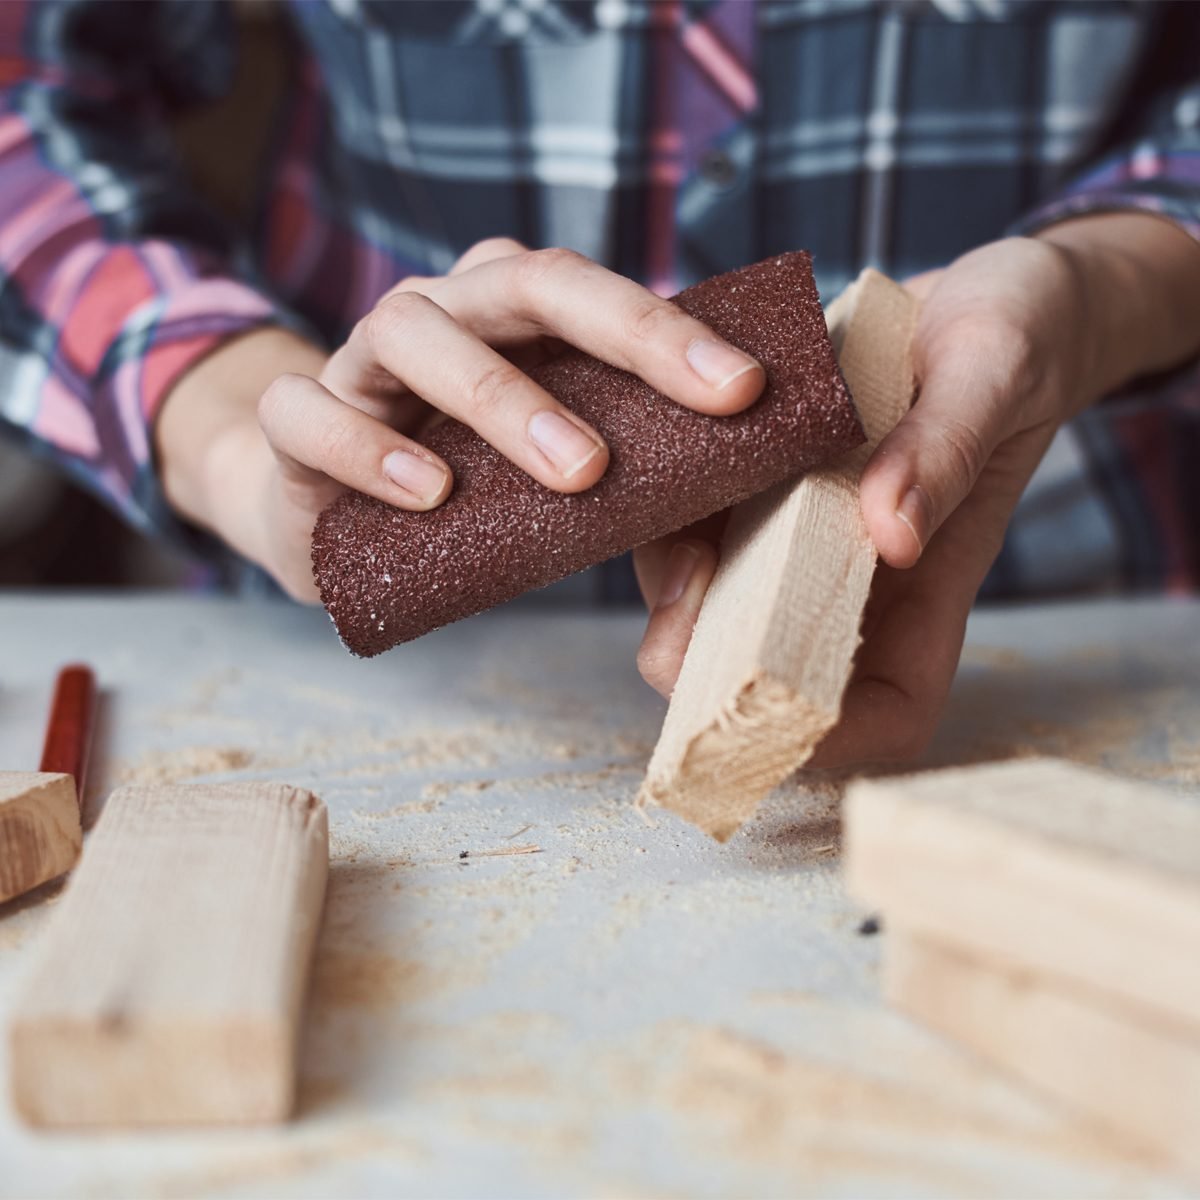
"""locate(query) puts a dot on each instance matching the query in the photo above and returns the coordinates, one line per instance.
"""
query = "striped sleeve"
(113, 276)
(1140, 449)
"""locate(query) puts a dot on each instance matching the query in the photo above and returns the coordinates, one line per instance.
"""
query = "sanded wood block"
(1140, 1079)
(40, 831)
(171, 983)
(1040, 865)
(773, 649)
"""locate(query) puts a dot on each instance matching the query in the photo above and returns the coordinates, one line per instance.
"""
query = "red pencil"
(69, 728)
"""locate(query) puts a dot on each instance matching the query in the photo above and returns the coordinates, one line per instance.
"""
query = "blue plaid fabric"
(668, 140)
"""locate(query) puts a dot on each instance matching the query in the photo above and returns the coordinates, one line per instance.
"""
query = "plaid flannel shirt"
(668, 140)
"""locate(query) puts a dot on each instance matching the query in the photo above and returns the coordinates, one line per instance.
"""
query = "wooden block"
(40, 833)
(773, 648)
(1040, 865)
(1140, 1080)
(172, 978)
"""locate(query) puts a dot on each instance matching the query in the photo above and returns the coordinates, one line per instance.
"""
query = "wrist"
(214, 461)
(1137, 279)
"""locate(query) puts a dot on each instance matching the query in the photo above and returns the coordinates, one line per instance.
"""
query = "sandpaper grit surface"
(387, 576)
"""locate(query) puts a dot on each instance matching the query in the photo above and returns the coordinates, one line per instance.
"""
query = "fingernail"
(681, 564)
(424, 479)
(562, 441)
(718, 364)
(916, 512)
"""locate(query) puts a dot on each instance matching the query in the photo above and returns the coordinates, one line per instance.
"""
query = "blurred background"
(53, 534)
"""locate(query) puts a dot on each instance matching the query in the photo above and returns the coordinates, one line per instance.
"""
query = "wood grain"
(1139, 1079)
(1044, 866)
(772, 652)
(40, 832)
(171, 980)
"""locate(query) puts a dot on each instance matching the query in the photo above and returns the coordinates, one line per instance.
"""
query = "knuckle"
(273, 402)
(489, 389)
(343, 445)
(657, 667)
(645, 320)
(964, 451)
(493, 247)
(536, 267)
(393, 317)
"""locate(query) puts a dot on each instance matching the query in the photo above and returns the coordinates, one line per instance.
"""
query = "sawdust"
(442, 788)
(823, 1118)
(516, 1080)
(180, 765)
(286, 1157)
(378, 981)
(398, 810)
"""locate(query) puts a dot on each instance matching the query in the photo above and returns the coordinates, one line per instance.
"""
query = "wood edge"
(43, 1049)
(693, 788)
(925, 978)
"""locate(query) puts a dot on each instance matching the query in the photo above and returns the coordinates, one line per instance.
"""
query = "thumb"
(924, 469)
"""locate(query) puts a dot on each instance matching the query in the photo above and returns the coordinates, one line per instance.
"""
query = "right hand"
(457, 344)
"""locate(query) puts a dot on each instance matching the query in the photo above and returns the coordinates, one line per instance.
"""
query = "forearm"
(1140, 284)
(213, 458)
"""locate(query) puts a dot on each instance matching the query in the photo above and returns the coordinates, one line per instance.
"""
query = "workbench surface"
(632, 1011)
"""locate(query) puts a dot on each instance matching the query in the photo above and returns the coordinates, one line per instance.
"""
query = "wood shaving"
(531, 849)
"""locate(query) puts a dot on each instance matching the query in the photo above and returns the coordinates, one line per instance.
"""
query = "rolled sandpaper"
(387, 576)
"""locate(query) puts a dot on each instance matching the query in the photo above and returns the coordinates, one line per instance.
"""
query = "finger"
(685, 578)
(894, 701)
(650, 559)
(915, 623)
(311, 430)
(971, 397)
(411, 339)
(488, 250)
(561, 294)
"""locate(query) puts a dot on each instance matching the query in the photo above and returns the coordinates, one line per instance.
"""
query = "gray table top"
(632, 1011)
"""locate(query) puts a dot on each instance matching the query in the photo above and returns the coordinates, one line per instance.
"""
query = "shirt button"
(718, 168)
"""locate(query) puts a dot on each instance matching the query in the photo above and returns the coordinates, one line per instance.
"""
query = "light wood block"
(772, 652)
(40, 831)
(171, 982)
(1136, 1078)
(1040, 865)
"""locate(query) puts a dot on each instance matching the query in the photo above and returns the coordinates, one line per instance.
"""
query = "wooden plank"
(772, 652)
(1042, 865)
(1137, 1078)
(40, 833)
(171, 981)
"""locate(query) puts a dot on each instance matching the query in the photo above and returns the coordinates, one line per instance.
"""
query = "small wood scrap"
(172, 977)
(41, 830)
(772, 652)
(1048, 917)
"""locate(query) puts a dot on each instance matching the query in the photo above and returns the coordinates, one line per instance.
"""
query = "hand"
(456, 345)
(1013, 339)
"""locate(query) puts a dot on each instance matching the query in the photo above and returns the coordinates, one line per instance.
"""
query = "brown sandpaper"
(387, 576)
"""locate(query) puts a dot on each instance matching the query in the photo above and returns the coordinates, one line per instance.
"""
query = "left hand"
(1013, 339)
